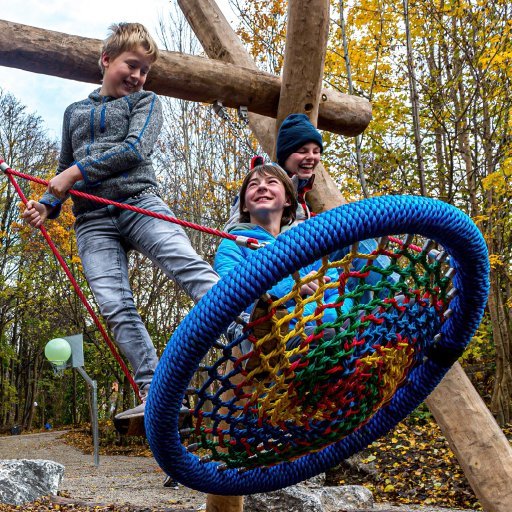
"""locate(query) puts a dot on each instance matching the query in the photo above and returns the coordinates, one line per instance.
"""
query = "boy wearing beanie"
(299, 149)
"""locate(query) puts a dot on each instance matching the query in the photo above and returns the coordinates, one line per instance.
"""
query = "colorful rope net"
(298, 388)
(275, 403)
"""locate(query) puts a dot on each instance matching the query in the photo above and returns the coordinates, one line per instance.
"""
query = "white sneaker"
(132, 413)
(137, 411)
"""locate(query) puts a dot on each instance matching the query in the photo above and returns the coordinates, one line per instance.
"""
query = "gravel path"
(136, 481)
(118, 479)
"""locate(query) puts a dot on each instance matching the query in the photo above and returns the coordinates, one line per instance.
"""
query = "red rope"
(250, 242)
(73, 281)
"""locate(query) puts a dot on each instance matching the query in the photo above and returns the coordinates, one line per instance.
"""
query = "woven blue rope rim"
(370, 218)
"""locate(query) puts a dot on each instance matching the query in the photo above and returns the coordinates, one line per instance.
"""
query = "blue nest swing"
(295, 412)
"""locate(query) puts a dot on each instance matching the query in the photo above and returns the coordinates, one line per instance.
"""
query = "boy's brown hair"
(125, 37)
(290, 211)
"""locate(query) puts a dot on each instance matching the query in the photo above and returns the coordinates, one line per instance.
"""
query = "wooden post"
(215, 503)
(301, 92)
(174, 74)
(303, 68)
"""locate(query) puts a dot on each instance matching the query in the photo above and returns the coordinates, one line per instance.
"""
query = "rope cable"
(73, 281)
(248, 242)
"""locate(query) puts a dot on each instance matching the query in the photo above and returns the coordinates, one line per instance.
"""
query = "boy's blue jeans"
(104, 238)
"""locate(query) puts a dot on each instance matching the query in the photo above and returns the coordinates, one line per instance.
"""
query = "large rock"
(311, 496)
(23, 481)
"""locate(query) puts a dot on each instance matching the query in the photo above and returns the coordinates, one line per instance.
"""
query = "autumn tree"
(23, 144)
(438, 77)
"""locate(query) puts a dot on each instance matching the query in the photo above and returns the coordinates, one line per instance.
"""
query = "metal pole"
(94, 413)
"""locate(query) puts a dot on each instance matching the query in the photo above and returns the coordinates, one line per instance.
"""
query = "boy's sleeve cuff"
(82, 170)
(54, 203)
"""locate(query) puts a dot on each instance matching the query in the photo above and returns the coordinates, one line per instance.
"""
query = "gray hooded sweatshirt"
(111, 141)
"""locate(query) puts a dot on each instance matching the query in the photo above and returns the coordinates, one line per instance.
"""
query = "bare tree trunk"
(2, 390)
(465, 150)
(358, 138)
(32, 394)
(501, 403)
(414, 102)
(437, 110)
(501, 400)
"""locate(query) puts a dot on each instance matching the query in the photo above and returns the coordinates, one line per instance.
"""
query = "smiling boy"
(299, 149)
(107, 143)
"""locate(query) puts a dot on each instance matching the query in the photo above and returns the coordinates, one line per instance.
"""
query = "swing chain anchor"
(243, 114)
(219, 109)
(251, 243)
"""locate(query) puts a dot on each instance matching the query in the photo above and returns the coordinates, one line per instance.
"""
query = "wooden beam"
(477, 441)
(220, 42)
(174, 74)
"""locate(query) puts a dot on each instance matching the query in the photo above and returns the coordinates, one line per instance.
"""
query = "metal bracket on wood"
(219, 109)
(243, 114)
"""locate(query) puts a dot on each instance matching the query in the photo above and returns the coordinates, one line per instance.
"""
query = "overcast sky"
(49, 96)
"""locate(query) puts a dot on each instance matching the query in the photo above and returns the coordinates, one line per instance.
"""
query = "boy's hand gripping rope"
(4, 167)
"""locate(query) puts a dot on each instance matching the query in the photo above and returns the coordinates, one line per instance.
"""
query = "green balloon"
(57, 351)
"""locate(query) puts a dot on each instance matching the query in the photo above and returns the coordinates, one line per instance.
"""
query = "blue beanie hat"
(295, 131)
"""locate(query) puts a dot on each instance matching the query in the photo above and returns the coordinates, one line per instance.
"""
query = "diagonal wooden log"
(219, 41)
(174, 74)
(479, 444)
